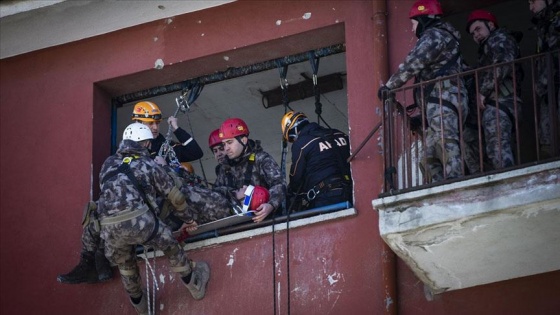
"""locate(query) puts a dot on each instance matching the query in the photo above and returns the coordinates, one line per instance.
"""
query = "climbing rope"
(151, 271)
(285, 99)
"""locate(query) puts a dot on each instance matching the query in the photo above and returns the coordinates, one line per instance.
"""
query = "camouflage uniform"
(499, 112)
(204, 205)
(265, 172)
(119, 198)
(547, 24)
(437, 45)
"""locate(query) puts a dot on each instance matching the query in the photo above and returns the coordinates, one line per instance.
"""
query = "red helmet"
(214, 138)
(255, 196)
(425, 7)
(481, 15)
(232, 128)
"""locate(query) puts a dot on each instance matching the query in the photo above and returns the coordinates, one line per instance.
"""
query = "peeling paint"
(307, 16)
(388, 302)
(159, 64)
(161, 306)
(162, 278)
(202, 35)
(278, 22)
(169, 21)
(226, 58)
(155, 38)
(331, 278)
(232, 258)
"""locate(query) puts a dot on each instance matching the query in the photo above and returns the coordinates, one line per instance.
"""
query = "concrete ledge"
(477, 231)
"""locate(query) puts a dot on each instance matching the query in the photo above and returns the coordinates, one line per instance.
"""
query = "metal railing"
(409, 141)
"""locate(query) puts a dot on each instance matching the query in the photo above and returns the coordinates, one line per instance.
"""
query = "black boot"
(84, 272)
(103, 266)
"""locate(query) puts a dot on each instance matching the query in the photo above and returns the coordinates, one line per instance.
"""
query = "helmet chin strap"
(238, 138)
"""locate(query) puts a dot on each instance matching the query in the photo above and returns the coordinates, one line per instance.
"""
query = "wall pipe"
(381, 74)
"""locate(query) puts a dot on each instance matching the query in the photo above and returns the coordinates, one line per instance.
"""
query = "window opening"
(239, 92)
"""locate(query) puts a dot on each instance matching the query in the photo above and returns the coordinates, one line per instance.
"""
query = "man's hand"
(172, 121)
(190, 226)
(262, 212)
(383, 92)
(481, 104)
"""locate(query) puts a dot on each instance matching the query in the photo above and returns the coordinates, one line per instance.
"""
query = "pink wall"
(50, 142)
(52, 149)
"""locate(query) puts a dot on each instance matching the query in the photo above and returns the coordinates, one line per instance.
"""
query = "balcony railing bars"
(404, 131)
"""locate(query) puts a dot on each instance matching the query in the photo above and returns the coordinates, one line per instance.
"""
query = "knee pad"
(177, 199)
(128, 270)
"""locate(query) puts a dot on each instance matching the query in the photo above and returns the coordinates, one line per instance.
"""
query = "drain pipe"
(381, 74)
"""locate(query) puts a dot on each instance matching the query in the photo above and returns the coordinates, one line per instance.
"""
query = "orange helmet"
(289, 124)
(188, 166)
(425, 7)
(214, 138)
(254, 197)
(146, 111)
(481, 15)
(232, 128)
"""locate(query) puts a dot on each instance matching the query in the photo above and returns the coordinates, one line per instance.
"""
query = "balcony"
(489, 226)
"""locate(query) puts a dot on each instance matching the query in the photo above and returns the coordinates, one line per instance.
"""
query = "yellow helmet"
(146, 111)
(290, 122)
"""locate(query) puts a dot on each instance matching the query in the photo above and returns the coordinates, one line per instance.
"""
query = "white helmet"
(137, 132)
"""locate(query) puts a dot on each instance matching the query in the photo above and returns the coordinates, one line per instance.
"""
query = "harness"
(124, 167)
(443, 71)
(340, 181)
(246, 176)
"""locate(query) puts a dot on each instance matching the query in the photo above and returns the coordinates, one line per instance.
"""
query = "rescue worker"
(215, 144)
(498, 112)
(149, 114)
(320, 173)
(436, 54)
(93, 266)
(129, 182)
(246, 163)
(546, 17)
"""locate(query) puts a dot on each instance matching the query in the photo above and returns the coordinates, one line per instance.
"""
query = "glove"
(383, 92)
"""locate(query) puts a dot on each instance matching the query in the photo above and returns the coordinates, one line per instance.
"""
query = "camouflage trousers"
(498, 128)
(120, 248)
(443, 152)
(91, 238)
(204, 205)
(497, 137)
(471, 146)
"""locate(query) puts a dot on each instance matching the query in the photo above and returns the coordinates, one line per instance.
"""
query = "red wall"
(55, 130)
